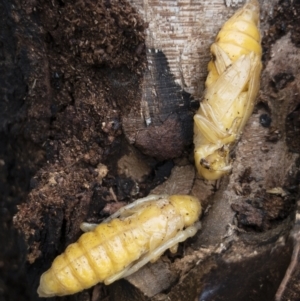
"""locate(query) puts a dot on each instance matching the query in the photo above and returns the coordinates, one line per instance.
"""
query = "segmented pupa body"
(231, 88)
(136, 234)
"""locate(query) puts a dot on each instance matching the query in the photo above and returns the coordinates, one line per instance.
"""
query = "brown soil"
(60, 120)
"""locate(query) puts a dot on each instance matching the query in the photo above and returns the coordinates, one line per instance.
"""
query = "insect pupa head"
(213, 165)
(188, 206)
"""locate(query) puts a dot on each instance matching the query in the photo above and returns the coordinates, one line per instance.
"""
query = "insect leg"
(117, 276)
(131, 208)
(229, 85)
(174, 249)
(253, 88)
(87, 227)
(124, 211)
(222, 60)
(208, 129)
(180, 237)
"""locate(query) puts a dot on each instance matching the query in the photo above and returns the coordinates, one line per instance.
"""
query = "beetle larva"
(136, 234)
(231, 88)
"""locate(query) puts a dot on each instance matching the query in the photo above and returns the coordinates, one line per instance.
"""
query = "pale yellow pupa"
(134, 235)
(232, 85)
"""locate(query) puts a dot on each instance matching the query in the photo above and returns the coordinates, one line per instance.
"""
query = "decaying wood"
(87, 86)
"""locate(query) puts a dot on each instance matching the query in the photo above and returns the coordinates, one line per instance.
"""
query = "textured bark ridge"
(97, 100)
